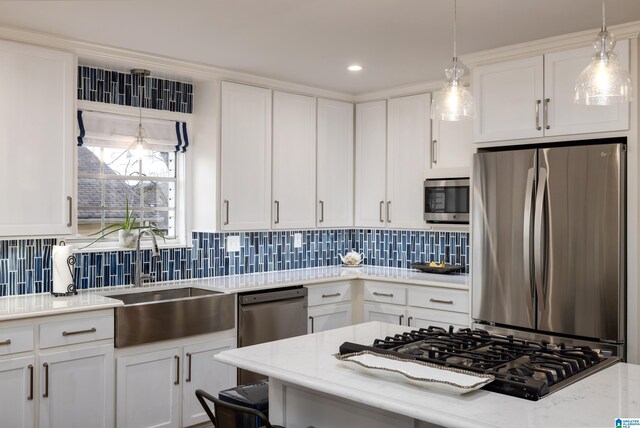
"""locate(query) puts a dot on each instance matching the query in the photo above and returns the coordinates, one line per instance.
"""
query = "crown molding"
(163, 66)
(550, 44)
(400, 91)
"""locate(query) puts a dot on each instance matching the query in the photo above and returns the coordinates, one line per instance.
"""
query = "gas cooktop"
(522, 368)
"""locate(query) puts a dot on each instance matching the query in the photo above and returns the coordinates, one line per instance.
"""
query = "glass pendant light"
(139, 142)
(604, 81)
(454, 102)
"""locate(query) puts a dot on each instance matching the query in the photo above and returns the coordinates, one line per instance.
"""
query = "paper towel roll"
(61, 274)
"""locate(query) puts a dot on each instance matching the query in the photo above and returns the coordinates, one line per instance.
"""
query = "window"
(111, 172)
(108, 177)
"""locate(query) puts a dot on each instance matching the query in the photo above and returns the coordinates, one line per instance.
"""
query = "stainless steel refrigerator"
(548, 243)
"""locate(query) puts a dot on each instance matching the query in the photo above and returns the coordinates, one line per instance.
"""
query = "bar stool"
(227, 413)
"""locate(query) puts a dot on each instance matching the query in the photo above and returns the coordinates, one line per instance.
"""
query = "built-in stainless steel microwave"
(446, 201)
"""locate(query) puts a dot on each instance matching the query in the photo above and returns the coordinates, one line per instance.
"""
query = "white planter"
(127, 238)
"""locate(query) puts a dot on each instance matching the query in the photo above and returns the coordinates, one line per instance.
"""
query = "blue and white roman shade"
(116, 130)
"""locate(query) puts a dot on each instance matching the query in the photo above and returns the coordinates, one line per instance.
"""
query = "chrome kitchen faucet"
(139, 276)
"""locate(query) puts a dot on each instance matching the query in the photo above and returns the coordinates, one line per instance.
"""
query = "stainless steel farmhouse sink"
(151, 316)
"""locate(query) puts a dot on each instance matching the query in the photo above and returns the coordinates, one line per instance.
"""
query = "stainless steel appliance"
(265, 316)
(548, 250)
(522, 368)
(446, 201)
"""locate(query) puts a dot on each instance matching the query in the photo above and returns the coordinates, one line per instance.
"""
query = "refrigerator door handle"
(539, 238)
(526, 232)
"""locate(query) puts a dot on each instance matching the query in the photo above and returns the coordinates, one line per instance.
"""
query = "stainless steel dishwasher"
(265, 316)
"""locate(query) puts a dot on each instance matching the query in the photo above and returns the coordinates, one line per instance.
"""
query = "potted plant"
(128, 230)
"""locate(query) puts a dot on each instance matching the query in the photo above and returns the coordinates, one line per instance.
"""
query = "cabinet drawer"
(73, 331)
(385, 292)
(439, 298)
(16, 339)
(334, 292)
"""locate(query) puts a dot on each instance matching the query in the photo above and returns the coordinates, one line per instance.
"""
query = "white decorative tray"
(415, 372)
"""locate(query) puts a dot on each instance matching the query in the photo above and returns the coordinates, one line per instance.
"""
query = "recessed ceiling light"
(354, 67)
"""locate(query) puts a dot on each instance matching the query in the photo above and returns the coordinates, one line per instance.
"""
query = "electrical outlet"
(297, 240)
(233, 244)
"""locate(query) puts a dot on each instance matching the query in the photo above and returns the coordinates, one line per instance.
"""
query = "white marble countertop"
(33, 305)
(308, 361)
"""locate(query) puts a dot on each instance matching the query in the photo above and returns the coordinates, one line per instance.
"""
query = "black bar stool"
(227, 413)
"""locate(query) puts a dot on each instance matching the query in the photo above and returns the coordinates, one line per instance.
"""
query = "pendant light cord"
(604, 23)
(455, 32)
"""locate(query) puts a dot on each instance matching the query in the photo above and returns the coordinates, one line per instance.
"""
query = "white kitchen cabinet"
(390, 168)
(409, 133)
(534, 97)
(508, 100)
(36, 144)
(245, 158)
(17, 405)
(385, 313)
(328, 317)
(335, 164)
(371, 164)
(201, 371)
(76, 388)
(451, 149)
(294, 161)
(148, 389)
(424, 318)
(564, 116)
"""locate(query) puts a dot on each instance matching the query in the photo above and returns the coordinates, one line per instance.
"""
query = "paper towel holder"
(71, 288)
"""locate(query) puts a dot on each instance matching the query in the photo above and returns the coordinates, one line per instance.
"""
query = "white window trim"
(183, 187)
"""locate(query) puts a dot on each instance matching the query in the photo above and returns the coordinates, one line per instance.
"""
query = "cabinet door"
(245, 159)
(335, 164)
(564, 116)
(451, 149)
(201, 371)
(148, 390)
(16, 389)
(36, 143)
(294, 161)
(371, 164)
(77, 388)
(329, 317)
(508, 99)
(385, 313)
(424, 318)
(407, 157)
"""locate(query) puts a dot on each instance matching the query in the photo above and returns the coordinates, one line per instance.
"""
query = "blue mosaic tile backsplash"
(113, 87)
(25, 265)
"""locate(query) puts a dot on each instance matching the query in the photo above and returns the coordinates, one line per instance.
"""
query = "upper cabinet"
(36, 143)
(245, 159)
(451, 149)
(294, 161)
(533, 97)
(335, 164)
(390, 171)
(371, 164)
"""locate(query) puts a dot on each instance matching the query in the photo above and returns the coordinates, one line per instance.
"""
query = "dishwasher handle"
(273, 296)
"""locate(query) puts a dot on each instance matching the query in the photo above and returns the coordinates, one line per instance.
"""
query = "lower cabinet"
(329, 317)
(157, 388)
(76, 388)
(423, 318)
(385, 313)
(17, 405)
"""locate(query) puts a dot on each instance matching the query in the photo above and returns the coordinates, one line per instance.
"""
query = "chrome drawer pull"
(446, 302)
(71, 333)
(375, 293)
(6, 342)
(324, 296)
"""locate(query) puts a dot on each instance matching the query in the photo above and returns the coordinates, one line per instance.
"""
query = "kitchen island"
(309, 387)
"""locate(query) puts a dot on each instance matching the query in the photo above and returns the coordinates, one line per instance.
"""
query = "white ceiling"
(311, 42)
